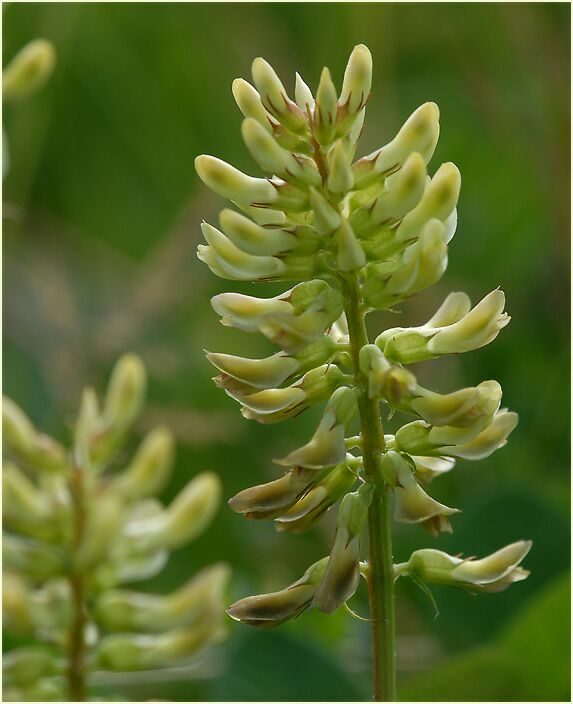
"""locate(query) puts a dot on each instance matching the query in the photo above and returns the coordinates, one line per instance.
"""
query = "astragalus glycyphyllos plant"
(82, 522)
(358, 237)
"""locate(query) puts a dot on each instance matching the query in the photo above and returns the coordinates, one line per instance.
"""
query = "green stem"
(76, 642)
(381, 576)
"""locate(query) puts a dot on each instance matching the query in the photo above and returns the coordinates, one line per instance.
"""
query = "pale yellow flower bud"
(460, 408)
(125, 610)
(36, 561)
(275, 99)
(24, 666)
(252, 238)
(125, 652)
(325, 109)
(26, 443)
(355, 88)
(26, 510)
(402, 192)
(28, 70)
(226, 260)
(249, 103)
(340, 176)
(421, 266)
(125, 392)
(466, 331)
(326, 218)
(261, 373)
(476, 329)
(489, 440)
(184, 519)
(493, 573)
(247, 312)
(272, 406)
(303, 95)
(150, 468)
(419, 134)
(273, 159)
(349, 253)
(102, 526)
(229, 182)
(439, 200)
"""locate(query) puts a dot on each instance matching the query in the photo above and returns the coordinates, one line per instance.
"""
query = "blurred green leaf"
(529, 661)
(272, 666)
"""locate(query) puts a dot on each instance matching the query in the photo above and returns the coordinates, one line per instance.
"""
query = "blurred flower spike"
(79, 524)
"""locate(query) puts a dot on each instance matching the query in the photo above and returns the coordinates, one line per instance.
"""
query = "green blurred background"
(101, 222)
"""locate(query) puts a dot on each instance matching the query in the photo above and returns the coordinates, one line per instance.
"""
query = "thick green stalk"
(381, 575)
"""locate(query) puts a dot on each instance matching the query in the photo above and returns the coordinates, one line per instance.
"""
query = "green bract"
(78, 529)
(354, 236)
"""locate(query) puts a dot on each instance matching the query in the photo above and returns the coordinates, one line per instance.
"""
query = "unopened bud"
(421, 266)
(454, 308)
(326, 218)
(349, 253)
(303, 95)
(327, 448)
(26, 443)
(229, 262)
(125, 392)
(229, 182)
(325, 109)
(340, 176)
(473, 330)
(460, 408)
(127, 652)
(439, 200)
(125, 610)
(261, 373)
(150, 468)
(35, 560)
(355, 88)
(419, 134)
(275, 99)
(493, 573)
(252, 238)
(102, 525)
(476, 329)
(247, 312)
(402, 193)
(270, 610)
(342, 574)
(489, 440)
(28, 70)
(26, 510)
(249, 102)
(186, 517)
(24, 666)
(310, 507)
(273, 159)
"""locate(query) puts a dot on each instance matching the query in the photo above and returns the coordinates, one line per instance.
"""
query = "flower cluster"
(321, 219)
(79, 524)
